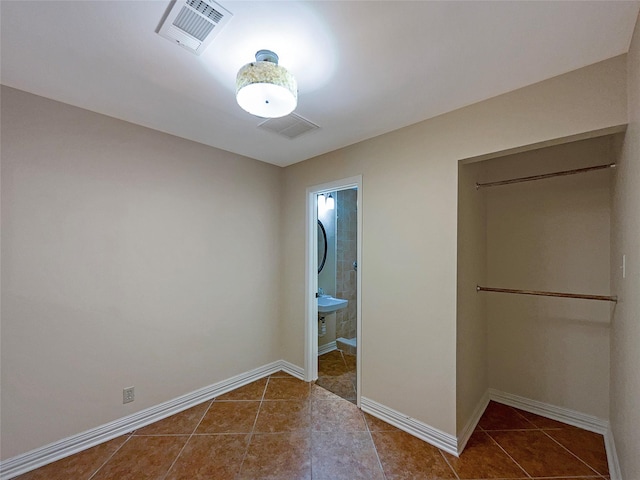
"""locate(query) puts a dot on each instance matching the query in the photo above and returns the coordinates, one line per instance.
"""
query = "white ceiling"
(363, 68)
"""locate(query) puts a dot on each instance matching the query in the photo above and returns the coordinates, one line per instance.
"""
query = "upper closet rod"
(546, 175)
(547, 294)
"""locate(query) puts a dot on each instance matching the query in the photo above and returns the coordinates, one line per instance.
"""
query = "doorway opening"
(333, 323)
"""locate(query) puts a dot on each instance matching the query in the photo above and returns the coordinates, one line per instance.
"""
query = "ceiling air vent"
(192, 24)
(290, 126)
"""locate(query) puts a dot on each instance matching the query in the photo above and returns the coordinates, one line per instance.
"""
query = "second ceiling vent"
(193, 24)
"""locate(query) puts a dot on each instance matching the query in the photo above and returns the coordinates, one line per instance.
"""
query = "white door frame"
(311, 275)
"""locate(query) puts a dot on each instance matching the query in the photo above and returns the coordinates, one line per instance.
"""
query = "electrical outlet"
(128, 395)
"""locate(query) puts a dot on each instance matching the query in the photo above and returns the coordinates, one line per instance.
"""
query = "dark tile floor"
(337, 373)
(281, 428)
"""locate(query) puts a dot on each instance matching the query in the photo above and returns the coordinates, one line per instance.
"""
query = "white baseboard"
(12, 467)
(612, 456)
(431, 435)
(561, 414)
(468, 429)
(291, 369)
(326, 348)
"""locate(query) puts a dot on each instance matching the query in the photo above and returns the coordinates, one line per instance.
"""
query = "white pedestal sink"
(329, 304)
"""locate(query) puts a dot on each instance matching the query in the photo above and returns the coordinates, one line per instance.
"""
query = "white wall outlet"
(624, 266)
(128, 395)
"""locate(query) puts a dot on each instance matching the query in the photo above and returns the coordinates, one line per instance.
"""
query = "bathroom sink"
(328, 304)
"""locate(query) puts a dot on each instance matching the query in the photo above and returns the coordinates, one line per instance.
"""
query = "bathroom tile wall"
(346, 285)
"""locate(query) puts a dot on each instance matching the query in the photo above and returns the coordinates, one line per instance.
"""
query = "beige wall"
(625, 240)
(410, 229)
(472, 379)
(550, 235)
(129, 257)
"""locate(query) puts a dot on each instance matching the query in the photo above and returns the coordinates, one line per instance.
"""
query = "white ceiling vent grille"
(192, 24)
(290, 126)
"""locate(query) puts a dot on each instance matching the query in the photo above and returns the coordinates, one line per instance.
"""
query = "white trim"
(311, 277)
(612, 456)
(561, 414)
(471, 425)
(311, 280)
(39, 457)
(291, 369)
(431, 435)
(327, 347)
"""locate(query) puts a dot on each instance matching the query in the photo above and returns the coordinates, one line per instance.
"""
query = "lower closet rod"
(547, 294)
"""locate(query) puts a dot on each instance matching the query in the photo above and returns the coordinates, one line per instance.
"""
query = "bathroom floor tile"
(337, 373)
(350, 360)
(483, 458)
(81, 465)
(588, 446)
(251, 391)
(183, 423)
(286, 389)
(283, 416)
(344, 456)
(502, 417)
(539, 455)
(405, 457)
(341, 386)
(332, 363)
(210, 457)
(229, 417)
(277, 456)
(321, 393)
(143, 458)
(336, 415)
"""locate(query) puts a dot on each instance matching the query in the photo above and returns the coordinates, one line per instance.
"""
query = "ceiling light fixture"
(330, 202)
(265, 89)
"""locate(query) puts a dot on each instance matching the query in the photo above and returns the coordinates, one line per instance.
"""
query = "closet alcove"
(552, 234)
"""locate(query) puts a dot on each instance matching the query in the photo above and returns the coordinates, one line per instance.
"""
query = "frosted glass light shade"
(265, 89)
(330, 203)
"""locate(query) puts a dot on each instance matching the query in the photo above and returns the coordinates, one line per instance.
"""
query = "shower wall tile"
(346, 279)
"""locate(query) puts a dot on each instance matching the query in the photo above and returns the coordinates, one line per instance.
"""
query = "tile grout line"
(541, 429)
(110, 457)
(253, 427)
(507, 454)
(449, 464)
(589, 466)
(522, 416)
(486, 432)
(375, 447)
(188, 439)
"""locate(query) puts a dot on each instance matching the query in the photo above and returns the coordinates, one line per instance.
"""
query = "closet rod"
(547, 294)
(546, 175)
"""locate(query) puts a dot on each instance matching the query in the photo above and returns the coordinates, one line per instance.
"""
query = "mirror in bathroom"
(322, 246)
